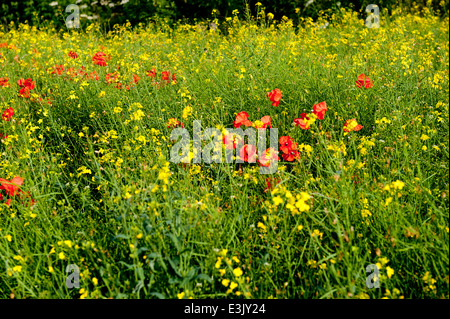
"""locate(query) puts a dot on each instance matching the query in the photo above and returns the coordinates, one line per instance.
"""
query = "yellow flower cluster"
(233, 266)
(305, 148)
(281, 197)
(381, 262)
(394, 186)
(338, 148)
(187, 112)
(429, 282)
(164, 173)
(365, 212)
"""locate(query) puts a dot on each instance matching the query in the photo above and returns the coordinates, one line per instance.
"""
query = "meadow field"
(87, 180)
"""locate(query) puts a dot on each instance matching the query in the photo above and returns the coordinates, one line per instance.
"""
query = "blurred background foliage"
(110, 12)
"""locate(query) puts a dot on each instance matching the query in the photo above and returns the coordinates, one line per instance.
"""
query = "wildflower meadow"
(93, 206)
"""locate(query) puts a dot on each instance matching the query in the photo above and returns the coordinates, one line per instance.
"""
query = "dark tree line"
(110, 12)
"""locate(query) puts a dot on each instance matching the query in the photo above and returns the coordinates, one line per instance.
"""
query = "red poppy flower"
(136, 78)
(100, 58)
(7, 115)
(352, 125)
(4, 82)
(268, 156)
(165, 76)
(275, 96)
(151, 73)
(3, 136)
(242, 119)
(248, 153)
(293, 154)
(24, 92)
(26, 86)
(28, 83)
(320, 109)
(266, 120)
(73, 55)
(302, 121)
(263, 123)
(11, 187)
(364, 81)
(286, 144)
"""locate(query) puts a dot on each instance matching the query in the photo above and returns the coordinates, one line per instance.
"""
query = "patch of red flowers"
(12, 188)
(136, 78)
(26, 86)
(305, 120)
(58, 69)
(289, 148)
(8, 114)
(166, 76)
(242, 119)
(4, 82)
(90, 76)
(100, 58)
(266, 122)
(151, 73)
(275, 97)
(73, 55)
(320, 109)
(111, 77)
(302, 121)
(364, 81)
(8, 46)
